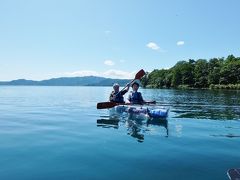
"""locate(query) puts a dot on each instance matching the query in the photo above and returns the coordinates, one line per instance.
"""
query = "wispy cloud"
(109, 62)
(180, 43)
(153, 46)
(82, 73)
(112, 73)
(107, 32)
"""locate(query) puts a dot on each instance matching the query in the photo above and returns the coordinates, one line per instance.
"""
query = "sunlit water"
(57, 133)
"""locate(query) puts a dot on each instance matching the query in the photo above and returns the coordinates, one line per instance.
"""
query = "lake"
(53, 133)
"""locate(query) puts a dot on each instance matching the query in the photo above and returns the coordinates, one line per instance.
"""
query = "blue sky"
(43, 39)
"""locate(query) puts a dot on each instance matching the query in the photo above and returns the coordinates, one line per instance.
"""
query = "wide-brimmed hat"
(137, 82)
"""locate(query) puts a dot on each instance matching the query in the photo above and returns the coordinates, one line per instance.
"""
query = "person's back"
(135, 97)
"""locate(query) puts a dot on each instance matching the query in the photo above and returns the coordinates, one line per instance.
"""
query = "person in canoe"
(116, 95)
(135, 97)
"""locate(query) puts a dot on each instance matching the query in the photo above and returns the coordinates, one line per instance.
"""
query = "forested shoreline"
(215, 73)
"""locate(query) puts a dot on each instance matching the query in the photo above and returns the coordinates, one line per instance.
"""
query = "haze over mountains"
(68, 81)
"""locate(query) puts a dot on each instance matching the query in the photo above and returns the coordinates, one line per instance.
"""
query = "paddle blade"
(150, 102)
(106, 105)
(140, 74)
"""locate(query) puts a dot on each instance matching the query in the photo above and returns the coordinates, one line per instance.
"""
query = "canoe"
(139, 112)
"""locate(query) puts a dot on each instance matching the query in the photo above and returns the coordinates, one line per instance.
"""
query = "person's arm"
(126, 90)
(128, 85)
(123, 92)
(111, 97)
(129, 97)
(141, 98)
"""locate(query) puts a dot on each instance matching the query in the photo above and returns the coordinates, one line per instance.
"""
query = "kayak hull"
(137, 112)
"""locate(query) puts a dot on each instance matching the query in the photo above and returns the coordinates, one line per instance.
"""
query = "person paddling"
(135, 97)
(116, 95)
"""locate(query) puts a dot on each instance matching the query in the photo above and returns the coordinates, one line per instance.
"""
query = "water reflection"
(136, 128)
(205, 104)
(108, 123)
(192, 104)
(158, 122)
(227, 135)
(206, 112)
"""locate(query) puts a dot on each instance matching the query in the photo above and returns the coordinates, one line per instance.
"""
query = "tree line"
(217, 73)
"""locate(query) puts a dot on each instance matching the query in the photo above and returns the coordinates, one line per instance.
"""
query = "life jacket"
(119, 97)
(135, 97)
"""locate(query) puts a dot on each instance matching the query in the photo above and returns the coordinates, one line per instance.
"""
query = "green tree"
(230, 72)
(182, 73)
(145, 79)
(201, 73)
(217, 72)
(214, 68)
(168, 79)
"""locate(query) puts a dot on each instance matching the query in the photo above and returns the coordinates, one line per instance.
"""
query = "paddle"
(149, 102)
(139, 75)
(104, 105)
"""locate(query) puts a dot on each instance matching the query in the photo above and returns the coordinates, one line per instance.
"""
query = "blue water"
(54, 133)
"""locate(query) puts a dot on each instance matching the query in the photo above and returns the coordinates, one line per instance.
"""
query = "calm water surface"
(57, 133)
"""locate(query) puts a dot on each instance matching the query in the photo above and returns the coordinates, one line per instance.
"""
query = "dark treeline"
(215, 73)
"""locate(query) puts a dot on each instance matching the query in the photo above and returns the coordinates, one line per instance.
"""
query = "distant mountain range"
(68, 81)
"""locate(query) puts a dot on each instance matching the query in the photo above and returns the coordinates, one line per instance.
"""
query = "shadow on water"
(136, 128)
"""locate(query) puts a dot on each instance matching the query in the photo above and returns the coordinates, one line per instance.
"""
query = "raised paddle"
(104, 105)
(139, 75)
